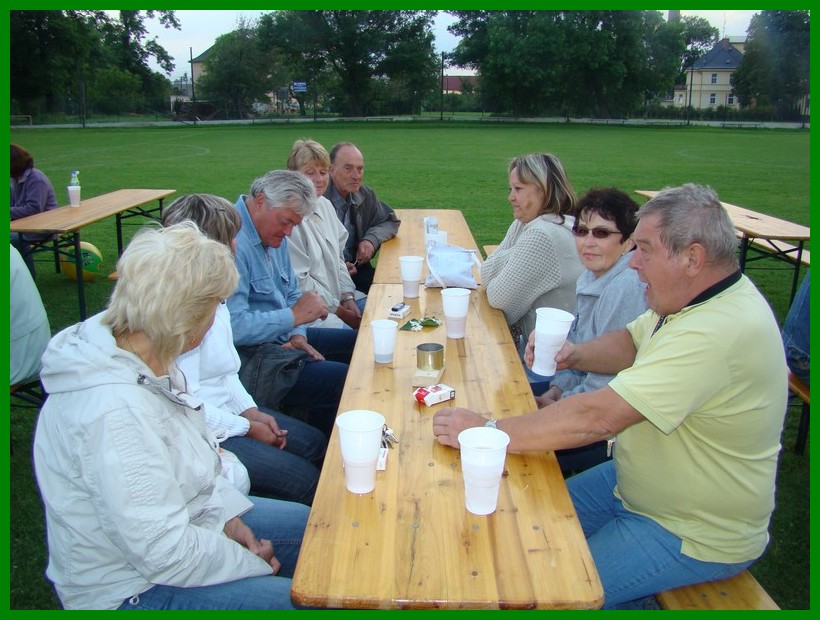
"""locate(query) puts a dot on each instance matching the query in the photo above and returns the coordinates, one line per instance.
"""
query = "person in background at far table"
(368, 221)
(283, 455)
(284, 362)
(31, 193)
(536, 264)
(29, 331)
(137, 514)
(697, 402)
(317, 245)
(608, 296)
(796, 332)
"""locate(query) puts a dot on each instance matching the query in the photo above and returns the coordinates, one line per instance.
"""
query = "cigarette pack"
(434, 394)
(399, 311)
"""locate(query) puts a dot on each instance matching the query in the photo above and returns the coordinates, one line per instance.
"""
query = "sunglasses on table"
(598, 233)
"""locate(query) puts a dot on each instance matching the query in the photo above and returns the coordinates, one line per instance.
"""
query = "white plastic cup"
(455, 302)
(437, 237)
(74, 195)
(360, 437)
(483, 451)
(551, 329)
(411, 267)
(384, 339)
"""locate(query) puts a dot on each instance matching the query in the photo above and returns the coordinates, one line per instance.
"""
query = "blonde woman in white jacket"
(137, 514)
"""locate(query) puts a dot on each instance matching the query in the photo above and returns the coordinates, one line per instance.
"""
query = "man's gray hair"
(286, 189)
(693, 214)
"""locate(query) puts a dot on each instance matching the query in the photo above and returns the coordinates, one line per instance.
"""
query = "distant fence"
(21, 119)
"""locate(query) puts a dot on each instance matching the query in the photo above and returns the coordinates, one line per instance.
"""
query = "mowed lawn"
(456, 165)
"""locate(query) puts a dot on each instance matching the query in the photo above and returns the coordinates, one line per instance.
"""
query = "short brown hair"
(20, 161)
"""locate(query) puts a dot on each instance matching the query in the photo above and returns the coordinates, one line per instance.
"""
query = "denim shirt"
(260, 306)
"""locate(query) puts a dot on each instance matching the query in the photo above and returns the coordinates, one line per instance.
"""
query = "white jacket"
(128, 473)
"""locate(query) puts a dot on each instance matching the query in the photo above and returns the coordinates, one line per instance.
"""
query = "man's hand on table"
(450, 421)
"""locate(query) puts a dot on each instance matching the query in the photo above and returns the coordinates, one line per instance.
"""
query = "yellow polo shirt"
(712, 385)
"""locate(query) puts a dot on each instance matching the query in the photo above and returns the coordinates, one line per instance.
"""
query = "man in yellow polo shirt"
(697, 406)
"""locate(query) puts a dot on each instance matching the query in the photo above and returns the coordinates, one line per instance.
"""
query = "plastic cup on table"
(74, 195)
(455, 302)
(360, 437)
(483, 452)
(384, 339)
(551, 329)
(411, 267)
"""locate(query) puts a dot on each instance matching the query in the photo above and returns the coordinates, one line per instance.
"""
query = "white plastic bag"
(450, 265)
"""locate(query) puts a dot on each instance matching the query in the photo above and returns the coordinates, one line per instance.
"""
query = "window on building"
(730, 100)
(712, 99)
(714, 78)
(680, 99)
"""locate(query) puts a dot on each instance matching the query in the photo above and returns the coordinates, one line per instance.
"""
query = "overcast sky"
(201, 28)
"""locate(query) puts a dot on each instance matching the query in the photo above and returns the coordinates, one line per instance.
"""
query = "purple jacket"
(32, 193)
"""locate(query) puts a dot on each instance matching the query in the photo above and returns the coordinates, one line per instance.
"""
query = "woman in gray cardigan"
(608, 295)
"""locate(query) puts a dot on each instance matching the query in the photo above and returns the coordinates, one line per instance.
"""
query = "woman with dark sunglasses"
(608, 296)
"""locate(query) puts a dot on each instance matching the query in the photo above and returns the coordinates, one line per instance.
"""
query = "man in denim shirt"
(269, 313)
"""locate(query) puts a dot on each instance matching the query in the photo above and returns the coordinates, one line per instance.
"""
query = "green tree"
(57, 54)
(775, 66)
(238, 72)
(605, 63)
(116, 91)
(359, 49)
(699, 37)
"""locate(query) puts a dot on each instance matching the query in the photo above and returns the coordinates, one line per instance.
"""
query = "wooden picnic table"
(411, 544)
(410, 241)
(66, 223)
(765, 234)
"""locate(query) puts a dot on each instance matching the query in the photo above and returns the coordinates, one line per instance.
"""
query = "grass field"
(450, 165)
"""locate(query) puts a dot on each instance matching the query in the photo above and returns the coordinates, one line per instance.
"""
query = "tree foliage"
(361, 57)
(601, 63)
(239, 71)
(775, 67)
(59, 54)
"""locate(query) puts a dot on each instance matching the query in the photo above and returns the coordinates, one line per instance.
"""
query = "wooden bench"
(739, 592)
(783, 249)
(30, 392)
(489, 249)
(801, 390)
(740, 125)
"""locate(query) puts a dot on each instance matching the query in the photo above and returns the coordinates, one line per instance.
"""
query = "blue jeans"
(290, 474)
(319, 387)
(796, 333)
(635, 557)
(283, 523)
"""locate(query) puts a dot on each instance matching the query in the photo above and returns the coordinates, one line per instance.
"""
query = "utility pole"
(193, 94)
(442, 86)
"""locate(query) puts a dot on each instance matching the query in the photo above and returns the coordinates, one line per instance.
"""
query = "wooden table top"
(410, 241)
(755, 225)
(411, 542)
(91, 210)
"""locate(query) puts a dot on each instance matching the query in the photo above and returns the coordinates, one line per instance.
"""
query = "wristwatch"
(491, 423)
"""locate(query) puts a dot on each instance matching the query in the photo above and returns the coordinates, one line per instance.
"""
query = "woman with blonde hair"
(536, 264)
(137, 514)
(317, 245)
